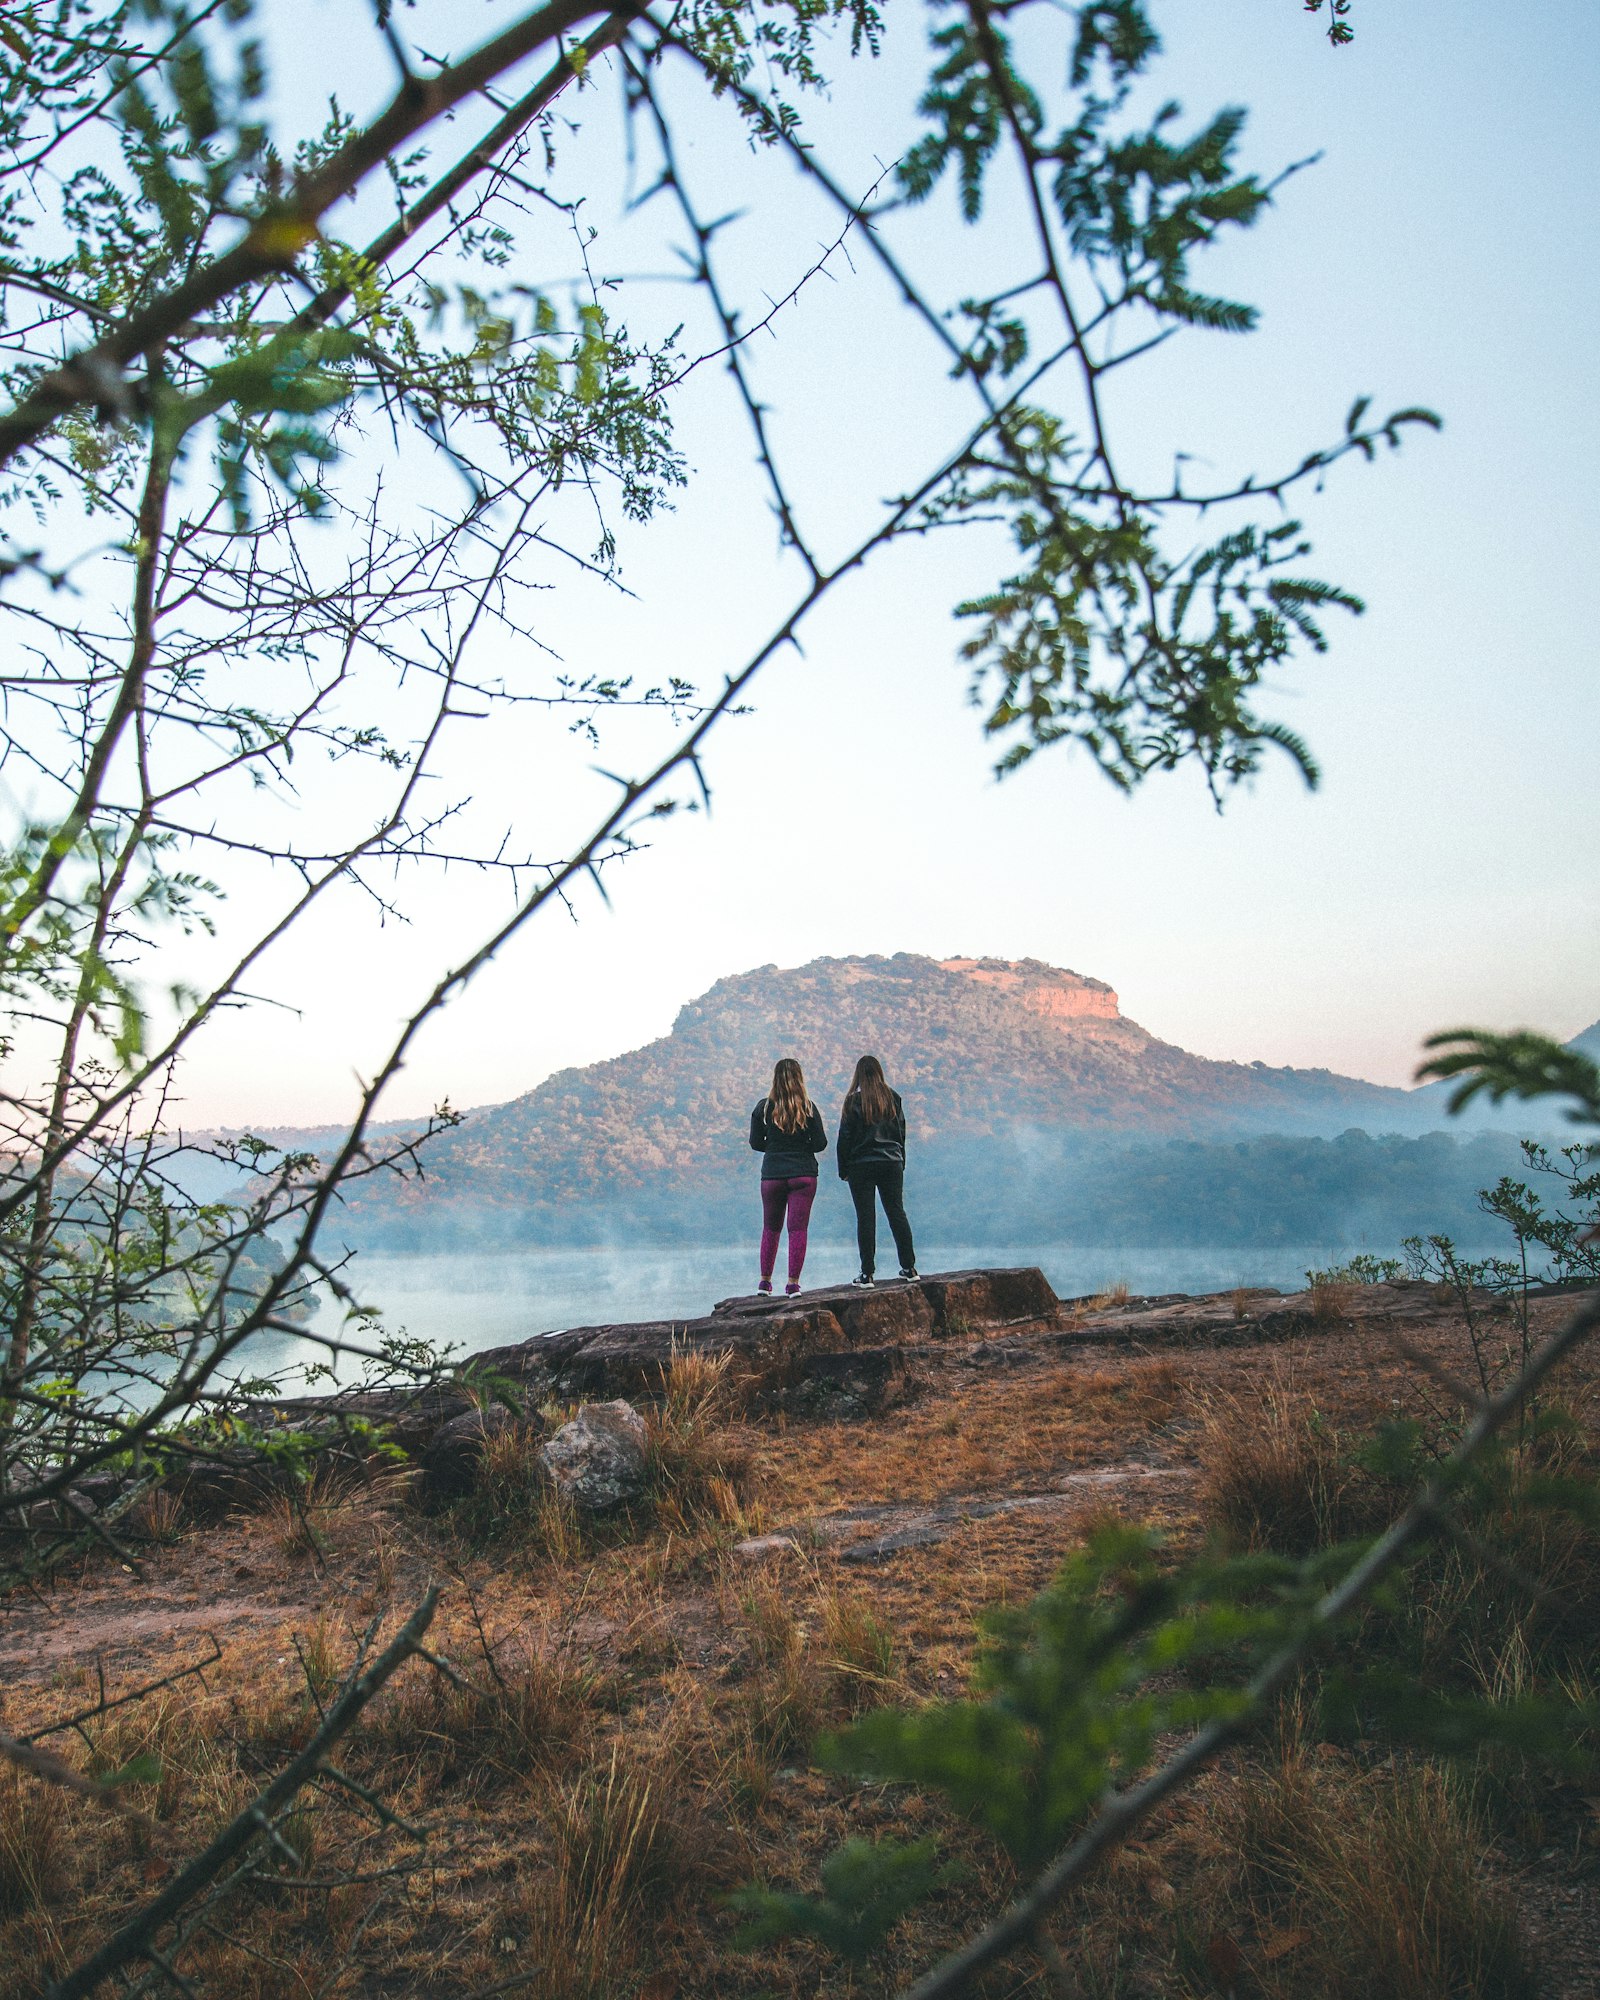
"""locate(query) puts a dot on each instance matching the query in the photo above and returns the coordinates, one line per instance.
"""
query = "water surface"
(471, 1301)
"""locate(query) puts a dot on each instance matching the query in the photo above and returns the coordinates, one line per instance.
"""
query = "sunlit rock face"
(1040, 988)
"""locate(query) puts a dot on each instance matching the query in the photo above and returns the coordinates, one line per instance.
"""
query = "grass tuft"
(1380, 1872)
(35, 1844)
(506, 1719)
(1275, 1475)
(622, 1858)
(699, 1475)
(861, 1652)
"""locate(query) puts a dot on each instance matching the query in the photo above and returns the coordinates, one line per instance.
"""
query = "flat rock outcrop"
(778, 1344)
(1251, 1317)
(834, 1353)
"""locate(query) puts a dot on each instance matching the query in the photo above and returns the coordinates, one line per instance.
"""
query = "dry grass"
(700, 1474)
(299, 1518)
(1302, 1875)
(513, 1505)
(1274, 1474)
(784, 1697)
(1378, 1873)
(625, 1849)
(157, 1516)
(35, 1844)
(860, 1652)
(1331, 1299)
(1143, 1394)
(645, 1743)
(509, 1715)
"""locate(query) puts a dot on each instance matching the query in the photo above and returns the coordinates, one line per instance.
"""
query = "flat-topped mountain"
(980, 1048)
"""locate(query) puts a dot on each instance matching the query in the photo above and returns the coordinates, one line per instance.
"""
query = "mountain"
(983, 1050)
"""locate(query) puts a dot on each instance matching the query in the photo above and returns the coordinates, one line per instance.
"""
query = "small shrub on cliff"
(698, 1473)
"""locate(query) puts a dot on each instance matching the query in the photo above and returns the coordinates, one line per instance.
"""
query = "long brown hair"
(869, 1092)
(788, 1105)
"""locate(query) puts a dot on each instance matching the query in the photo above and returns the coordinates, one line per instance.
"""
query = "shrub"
(1359, 1270)
(698, 1474)
(1361, 1885)
(1274, 1475)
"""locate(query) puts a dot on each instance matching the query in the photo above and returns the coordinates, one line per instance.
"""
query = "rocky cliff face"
(978, 1047)
(1041, 989)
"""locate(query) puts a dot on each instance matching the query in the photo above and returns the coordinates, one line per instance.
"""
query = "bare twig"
(137, 1938)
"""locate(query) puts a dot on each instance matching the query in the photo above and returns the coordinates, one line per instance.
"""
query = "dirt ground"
(903, 1528)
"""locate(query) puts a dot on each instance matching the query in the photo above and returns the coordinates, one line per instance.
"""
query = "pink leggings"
(789, 1200)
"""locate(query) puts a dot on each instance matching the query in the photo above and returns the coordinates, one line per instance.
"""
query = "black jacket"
(786, 1156)
(864, 1145)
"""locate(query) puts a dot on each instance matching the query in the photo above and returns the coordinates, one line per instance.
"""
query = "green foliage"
(1072, 1690)
(1516, 1065)
(1146, 660)
(1340, 28)
(867, 1887)
(1358, 1270)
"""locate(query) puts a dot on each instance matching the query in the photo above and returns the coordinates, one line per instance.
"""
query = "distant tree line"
(1047, 1186)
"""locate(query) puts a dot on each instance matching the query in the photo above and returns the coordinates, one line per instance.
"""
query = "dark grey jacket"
(787, 1156)
(864, 1145)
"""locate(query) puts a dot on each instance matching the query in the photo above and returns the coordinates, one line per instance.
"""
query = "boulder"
(598, 1460)
(860, 1382)
(449, 1460)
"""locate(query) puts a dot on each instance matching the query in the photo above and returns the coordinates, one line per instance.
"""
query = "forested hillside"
(1035, 1106)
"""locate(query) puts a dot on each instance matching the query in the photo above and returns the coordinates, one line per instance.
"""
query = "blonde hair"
(788, 1105)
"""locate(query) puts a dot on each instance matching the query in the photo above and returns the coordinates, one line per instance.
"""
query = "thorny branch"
(137, 1938)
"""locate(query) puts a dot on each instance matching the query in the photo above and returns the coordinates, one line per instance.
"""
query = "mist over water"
(492, 1298)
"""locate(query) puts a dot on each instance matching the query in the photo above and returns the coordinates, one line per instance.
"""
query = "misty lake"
(474, 1300)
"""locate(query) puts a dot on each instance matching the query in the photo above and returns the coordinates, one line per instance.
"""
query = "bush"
(1274, 1475)
(1357, 1885)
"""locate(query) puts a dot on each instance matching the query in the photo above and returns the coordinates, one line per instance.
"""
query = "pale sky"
(1443, 252)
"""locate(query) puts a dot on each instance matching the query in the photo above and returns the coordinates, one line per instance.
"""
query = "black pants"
(881, 1179)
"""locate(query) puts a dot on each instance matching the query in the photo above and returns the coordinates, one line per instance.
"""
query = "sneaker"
(910, 1275)
(864, 1283)
(791, 1291)
(764, 1289)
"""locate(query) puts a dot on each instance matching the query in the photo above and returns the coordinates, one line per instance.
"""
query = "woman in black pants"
(872, 1158)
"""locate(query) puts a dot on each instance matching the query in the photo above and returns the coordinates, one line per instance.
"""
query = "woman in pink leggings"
(786, 1129)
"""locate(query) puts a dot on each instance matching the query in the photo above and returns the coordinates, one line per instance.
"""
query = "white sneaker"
(864, 1283)
(908, 1276)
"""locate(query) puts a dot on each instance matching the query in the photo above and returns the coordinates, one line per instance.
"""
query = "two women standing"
(786, 1129)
